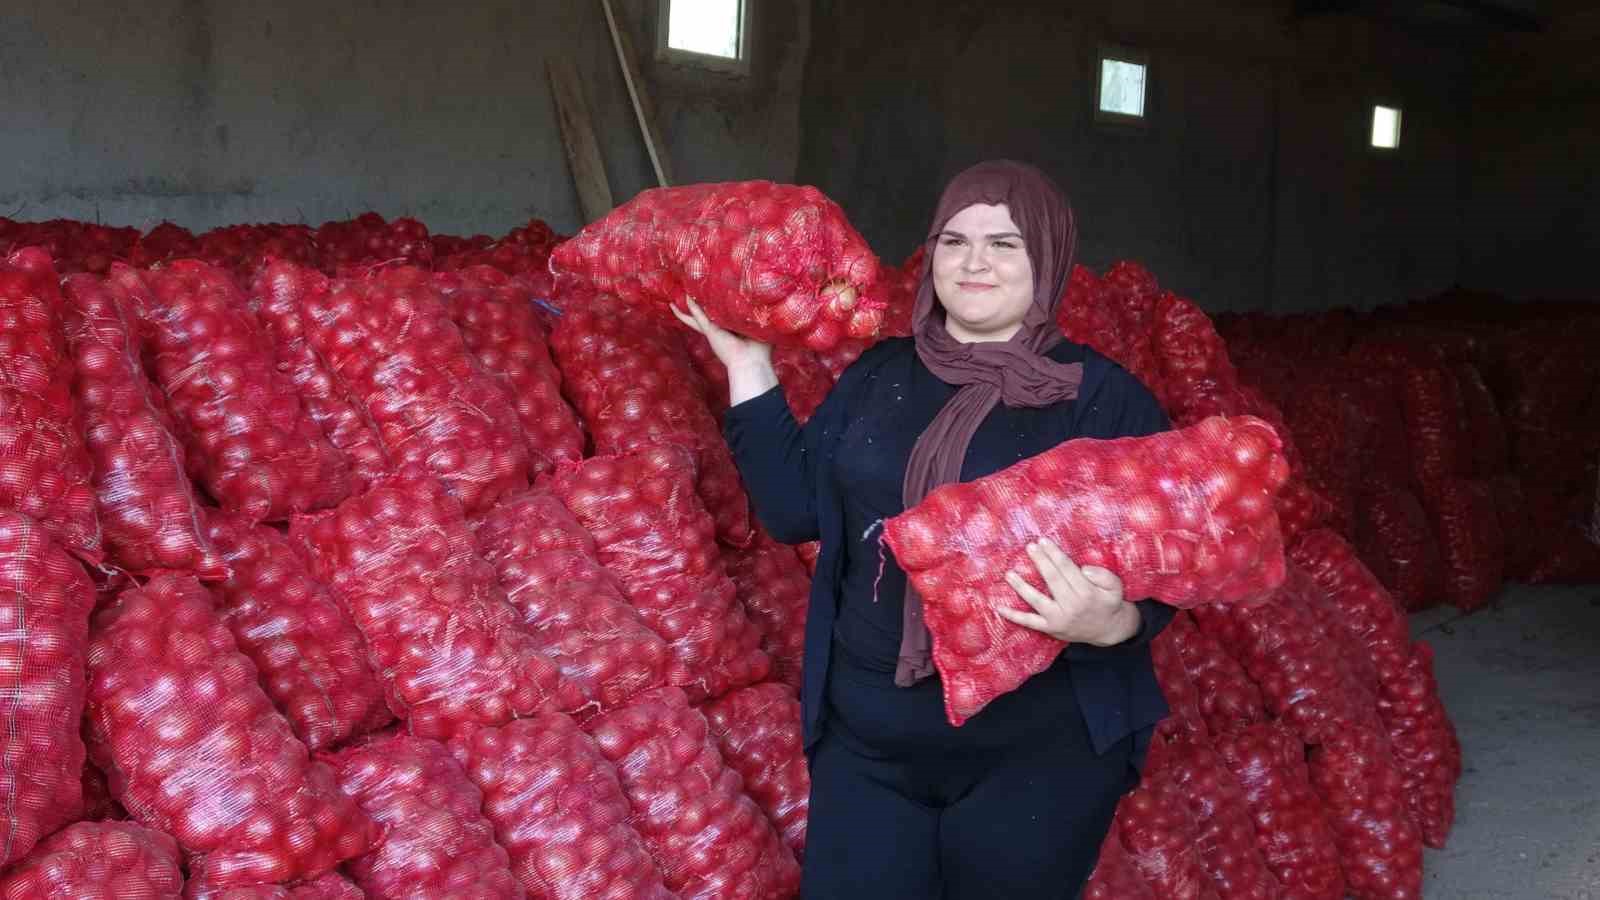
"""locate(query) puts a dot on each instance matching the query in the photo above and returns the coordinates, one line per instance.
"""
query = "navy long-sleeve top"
(841, 473)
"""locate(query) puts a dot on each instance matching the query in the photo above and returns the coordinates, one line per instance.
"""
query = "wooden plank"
(643, 109)
(577, 133)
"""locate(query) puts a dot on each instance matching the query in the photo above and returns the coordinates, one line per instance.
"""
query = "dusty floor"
(1522, 681)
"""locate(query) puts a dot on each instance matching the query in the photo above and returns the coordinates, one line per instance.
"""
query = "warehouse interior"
(1248, 185)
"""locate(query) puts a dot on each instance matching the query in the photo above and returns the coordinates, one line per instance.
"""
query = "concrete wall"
(1533, 196)
(212, 112)
(1252, 187)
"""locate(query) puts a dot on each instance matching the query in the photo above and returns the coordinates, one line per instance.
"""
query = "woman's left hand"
(1085, 605)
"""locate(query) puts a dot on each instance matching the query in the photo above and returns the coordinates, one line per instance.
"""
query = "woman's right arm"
(774, 453)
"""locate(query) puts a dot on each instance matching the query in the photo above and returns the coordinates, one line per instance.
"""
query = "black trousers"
(1013, 804)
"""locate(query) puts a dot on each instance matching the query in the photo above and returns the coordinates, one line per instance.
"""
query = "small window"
(1120, 90)
(709, 33)
(1385, 127)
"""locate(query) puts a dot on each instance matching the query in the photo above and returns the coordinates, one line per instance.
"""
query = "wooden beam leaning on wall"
(643, 109)
(577, 134)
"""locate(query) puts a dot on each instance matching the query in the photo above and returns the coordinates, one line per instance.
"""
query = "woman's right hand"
(748, 361)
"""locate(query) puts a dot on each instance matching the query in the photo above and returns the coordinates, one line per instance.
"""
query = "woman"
(1016, 802)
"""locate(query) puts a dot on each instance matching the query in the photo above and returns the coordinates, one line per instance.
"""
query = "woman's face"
(982, 274)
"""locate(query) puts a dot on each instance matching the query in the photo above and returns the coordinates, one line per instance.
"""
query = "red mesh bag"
(1182, 698)
(1470, 542)
(633, 381)
(775, 590)
(1292, 830)
(1194, 361)
(713, 374)
(1116, 316)
(558, 808)
(809, 552)
(709, 839)
(192, 746)
(841, 357)
(1301, 509)
(161, 243)
(1115, 877)
(758, 732)
(1434, 421)
(451, 652)
(1419, 729)
(806, 381)
(1516, 526)
(1225, 834)
(759, 257)
(436, 841)
(896, 292)
(98, 861)
(255, 449)
(244, 249)
(1328, 432)
(45, 602)
(389, 339)
(495, 314)
(45, 470)
(147, 505)
(311, 658)
(368, 240)
(1160, 835)
(278, 294)
(1279, 644)
(1396, 542)
(1227, 699)
(97, 801)
(549, 567)
(1184, 516)
(1380, 849)
(331, 886)
(1487, 445)
(657, 539)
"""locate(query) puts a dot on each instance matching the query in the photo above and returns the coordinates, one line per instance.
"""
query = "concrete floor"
(1522, 682)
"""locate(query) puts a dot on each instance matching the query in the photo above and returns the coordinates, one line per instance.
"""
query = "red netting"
(632, 379)
(1292, 830)
(98, 861)
(436, 841)
(558, 808)
(1470, 542)
(368, 240)
(45, 470)
(1184, 516)
(1487, 445)
(1279, 645)
(1435, 431)
(806, 381)
(1182, 698)
(1225, 834)
(1114, 876)
(147, 505)
(1115, 316)
(389, 340)
(98, 803)
(550, 569)
(192, 746)
(757, 256)
(758, 732)
(1194, 361)
(244, 249)
(1228, 699)
(1161, 837)
(1300, 509)
(775, 590)
(278, 294)
(161, 243)
(1396, 542)
(311, 658)
(254, 448)
(452, 653)
(1421, 736)
(709, 839)
(896, 291)
(1380, 849)
(331, 886)
(45, 602)
(1328, 431)
(656, 537)
(809, 552)
(1516, 525)
(495, 314)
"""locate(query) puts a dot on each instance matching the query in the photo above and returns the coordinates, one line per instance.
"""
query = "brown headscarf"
(1014, 372)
